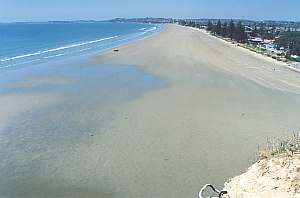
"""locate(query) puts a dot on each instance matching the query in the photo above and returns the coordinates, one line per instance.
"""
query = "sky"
(45, 10)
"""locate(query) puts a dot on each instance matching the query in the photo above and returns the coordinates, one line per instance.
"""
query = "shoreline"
(74, 49)
(193, 102)
(279, 65)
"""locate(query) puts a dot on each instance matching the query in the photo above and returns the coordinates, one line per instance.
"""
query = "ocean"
(55, 98)
(24, 44)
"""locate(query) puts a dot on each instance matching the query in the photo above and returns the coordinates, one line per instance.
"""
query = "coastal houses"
(266, 45)
(255, 41)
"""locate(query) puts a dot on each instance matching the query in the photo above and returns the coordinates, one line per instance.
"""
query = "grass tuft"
(288, 146)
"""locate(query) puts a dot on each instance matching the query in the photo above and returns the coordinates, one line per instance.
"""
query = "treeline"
(290, 41)
(189, 23)
(234, 31)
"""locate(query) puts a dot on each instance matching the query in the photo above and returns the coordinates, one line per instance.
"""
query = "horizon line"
(105, 20)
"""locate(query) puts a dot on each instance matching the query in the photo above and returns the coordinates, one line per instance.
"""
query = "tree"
(209, 26)
(239, 34)
(224, 30)
(192, 24)
(236, 32)
(231, 29)
(214, 29)
(219, 28)
(182, 22)
(290, 41)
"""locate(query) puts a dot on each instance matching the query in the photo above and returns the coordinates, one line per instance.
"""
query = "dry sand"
(204, 126)
(278, 177)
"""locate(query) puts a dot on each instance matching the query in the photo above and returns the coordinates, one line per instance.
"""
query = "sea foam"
(57, 49)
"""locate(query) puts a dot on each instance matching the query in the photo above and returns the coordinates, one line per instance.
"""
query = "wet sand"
(50, 116)
(202, 123)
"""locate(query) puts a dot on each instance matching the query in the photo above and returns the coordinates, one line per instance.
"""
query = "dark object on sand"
(116, 50)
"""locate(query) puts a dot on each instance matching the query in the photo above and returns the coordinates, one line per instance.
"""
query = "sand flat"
(220, 104)
(217, 104)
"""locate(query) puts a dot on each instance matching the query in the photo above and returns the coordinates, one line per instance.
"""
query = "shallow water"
(67, 101)
(66, 132)
(80, 129)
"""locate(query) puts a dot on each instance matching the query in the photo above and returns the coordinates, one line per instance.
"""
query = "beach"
(192, 110)
(221, 104)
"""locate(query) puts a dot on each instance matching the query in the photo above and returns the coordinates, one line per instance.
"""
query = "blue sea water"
(31, 43)
(55, 98)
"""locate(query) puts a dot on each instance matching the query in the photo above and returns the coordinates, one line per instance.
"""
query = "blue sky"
(43, 10)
